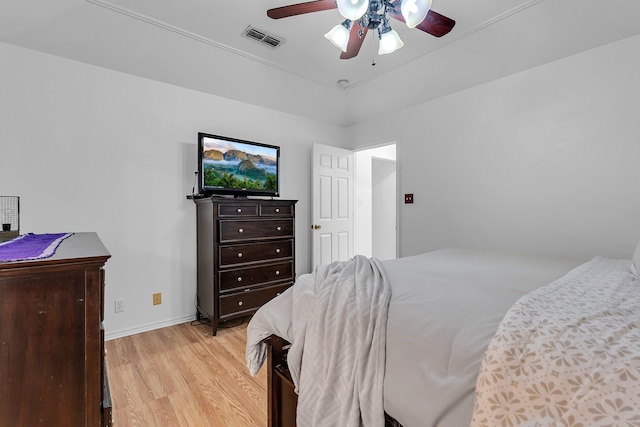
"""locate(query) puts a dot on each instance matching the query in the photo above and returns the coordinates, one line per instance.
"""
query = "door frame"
(387, 150)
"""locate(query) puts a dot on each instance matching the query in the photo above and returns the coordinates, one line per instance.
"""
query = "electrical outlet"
(157, 298)
(118, 305)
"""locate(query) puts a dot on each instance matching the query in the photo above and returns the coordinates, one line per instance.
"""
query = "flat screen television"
(230, 166)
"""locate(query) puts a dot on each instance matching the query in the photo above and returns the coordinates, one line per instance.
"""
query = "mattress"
(445, 307)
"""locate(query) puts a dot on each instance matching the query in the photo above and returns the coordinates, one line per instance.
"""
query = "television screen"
(233, 166)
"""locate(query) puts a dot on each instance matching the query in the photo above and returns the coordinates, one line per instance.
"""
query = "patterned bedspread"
(567, 354)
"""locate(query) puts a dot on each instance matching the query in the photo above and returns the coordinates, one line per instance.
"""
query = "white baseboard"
(148, 327)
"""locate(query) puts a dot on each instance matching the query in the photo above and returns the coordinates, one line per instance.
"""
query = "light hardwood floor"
(183, 376)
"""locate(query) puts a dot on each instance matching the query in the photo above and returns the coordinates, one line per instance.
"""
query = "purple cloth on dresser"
(31, 246)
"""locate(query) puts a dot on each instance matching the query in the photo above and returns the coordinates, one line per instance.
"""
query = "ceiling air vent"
(263, 37)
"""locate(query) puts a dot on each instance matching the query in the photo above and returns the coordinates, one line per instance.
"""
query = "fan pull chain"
(373, 55)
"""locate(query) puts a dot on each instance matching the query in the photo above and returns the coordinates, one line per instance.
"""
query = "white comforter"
(445, 307)
(567, 354)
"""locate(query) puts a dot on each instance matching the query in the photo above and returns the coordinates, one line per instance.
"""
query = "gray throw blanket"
(337, 356)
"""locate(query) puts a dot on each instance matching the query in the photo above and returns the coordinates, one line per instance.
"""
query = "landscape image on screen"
(237, 165)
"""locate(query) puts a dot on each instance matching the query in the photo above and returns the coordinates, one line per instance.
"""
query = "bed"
(463, 343)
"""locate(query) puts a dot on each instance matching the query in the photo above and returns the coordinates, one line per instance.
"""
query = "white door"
(331, 204)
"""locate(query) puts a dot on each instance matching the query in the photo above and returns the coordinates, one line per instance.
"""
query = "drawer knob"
(239, 210)
(277, 250)
(239, 254)
(277, 272)
(240, 230)
(277, 210)
(239, 279)
(278, 228)
(240, 303)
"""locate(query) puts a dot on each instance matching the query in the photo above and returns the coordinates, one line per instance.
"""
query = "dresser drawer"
(246, 277)
(276, 209)
(238, 210)
(252, 252)
(250, 300)
(239, 230)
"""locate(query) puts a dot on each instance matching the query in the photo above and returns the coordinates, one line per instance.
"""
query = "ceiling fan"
(364, 15)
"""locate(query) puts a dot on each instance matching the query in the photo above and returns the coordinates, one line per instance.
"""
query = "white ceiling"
(198, 44)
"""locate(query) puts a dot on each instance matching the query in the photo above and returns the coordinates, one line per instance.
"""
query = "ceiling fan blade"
(355, 41)
(301, 8)
(435, 24)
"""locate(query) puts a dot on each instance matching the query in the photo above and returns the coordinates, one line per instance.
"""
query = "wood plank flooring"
(183, 376)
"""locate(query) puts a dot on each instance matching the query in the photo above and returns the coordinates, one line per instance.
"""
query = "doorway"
(375, 207)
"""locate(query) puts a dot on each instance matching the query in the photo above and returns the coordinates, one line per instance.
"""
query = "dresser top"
(242, 200)
(79, 247)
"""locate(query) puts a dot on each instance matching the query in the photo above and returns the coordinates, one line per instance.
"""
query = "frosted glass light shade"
(352, 9)
(339, 36)
(414, 11)
(389, 42)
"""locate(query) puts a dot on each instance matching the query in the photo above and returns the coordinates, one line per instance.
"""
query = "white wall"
(543, 161)
(89, 149)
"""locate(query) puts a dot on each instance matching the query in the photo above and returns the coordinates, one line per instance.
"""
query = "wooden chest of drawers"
(52, 370)
(246, 254)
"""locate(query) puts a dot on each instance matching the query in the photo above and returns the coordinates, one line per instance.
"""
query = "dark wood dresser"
(246, 254)
(52, 370)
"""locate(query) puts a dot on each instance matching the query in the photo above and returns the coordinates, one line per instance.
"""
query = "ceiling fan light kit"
(389, 41)
(339, 35)
(374, 15)
(414, 11)
(364, 15)
(352, 9)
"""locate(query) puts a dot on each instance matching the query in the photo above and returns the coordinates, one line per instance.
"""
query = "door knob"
(316, 226)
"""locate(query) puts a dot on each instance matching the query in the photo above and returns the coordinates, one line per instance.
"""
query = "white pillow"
(636, 258)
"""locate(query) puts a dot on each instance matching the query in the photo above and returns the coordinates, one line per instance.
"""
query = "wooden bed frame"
(281, 397)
